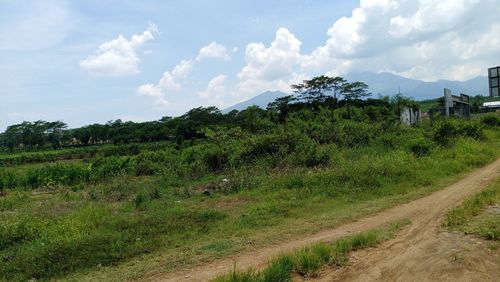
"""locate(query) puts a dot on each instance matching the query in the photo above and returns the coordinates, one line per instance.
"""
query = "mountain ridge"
(386, 83)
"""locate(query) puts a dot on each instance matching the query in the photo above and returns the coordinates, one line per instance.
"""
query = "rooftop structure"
(491, 106)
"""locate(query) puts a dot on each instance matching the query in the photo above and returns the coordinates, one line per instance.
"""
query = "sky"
(92, 61)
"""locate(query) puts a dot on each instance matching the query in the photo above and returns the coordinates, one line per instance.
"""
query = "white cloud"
(153, 91)
(171, 80)
(270, 68)
(215, 88)
(422, 39)
(118, 57)
(213, 50)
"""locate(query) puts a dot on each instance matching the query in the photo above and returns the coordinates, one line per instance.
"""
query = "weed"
(140, 200)
(155, 194)
(279, 269)
(236, 276)
(307, 262)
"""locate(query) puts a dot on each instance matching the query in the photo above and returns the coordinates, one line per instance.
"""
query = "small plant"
(279, 269)
(155, 194)
(94, 195)
(420, 147)
(236, 276)
(322, 251)
(307, 262)
(139, 199)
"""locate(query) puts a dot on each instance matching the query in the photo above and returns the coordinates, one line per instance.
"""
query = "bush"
(279, 143)
(351, 134)
(311, 154)
(471, 129)
(106, 167)
(444, 130)
(491, 120)
(420, 147)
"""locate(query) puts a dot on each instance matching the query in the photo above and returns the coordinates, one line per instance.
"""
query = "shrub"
(310, 154)
(444, 130)
(351, 134)
(491, 120)
(471, 129)
(420, 147)
(106, 167)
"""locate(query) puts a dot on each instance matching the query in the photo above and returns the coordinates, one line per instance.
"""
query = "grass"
(126, 227)
(308, 261)
(471, 216)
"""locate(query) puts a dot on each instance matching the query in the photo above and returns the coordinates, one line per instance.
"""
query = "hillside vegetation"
(222, 184)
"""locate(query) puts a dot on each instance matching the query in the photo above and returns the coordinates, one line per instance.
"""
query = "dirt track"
(413, 256)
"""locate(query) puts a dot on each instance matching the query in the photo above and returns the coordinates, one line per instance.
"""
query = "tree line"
(320, 91)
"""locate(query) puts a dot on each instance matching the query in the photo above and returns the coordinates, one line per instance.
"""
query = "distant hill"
(260, 100)
(388, 84)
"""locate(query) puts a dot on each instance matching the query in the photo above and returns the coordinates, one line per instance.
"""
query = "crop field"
(118, 212)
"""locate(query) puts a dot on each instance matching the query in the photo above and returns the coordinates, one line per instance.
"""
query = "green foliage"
(279, 269)
(420, 147)
(236, 276)
(307, 262)
(140, 200)
(444, 130)
(491, 120)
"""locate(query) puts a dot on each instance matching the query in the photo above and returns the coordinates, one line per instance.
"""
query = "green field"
(129, 213)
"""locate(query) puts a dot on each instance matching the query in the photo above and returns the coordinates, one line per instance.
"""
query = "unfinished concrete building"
(458, 106)
(410, 115)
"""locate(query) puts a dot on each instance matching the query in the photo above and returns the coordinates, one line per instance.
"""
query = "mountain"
(389, 84)
(260, 100)
(385, 83)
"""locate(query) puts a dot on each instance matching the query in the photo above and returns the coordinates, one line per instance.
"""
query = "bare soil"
(422, 252)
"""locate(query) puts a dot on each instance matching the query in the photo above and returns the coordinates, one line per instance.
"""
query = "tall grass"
(473, 206)
(470, 216)
(309, 260)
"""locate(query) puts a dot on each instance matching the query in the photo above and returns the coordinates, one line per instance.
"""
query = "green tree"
(281, 107)
(355, 90)
(317, 89)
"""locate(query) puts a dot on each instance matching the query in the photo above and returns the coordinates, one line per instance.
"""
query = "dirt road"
(407, 258)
